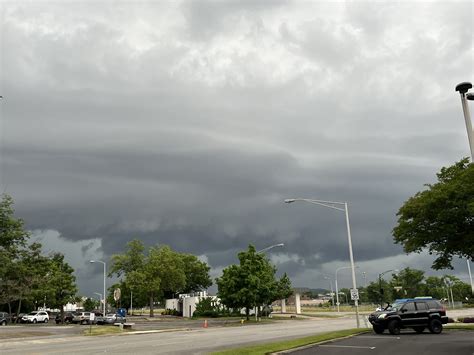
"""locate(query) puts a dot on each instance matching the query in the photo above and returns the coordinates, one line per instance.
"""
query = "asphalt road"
(195, 341)
(449, 342)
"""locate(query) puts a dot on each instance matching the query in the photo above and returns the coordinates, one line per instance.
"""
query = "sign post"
(91, 320)
(354, 294)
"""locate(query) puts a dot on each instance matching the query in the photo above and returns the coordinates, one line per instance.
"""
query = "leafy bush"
(209, 307)
(171, 312)
(468, 320)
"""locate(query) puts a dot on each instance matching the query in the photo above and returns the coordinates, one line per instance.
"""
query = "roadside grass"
(290, 344)
(103, 330)
(322, 315)
(459, 326)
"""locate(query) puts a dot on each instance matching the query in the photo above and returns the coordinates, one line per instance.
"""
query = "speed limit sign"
(354, 294)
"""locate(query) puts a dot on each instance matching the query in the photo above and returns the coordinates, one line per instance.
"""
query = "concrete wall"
(172, 303)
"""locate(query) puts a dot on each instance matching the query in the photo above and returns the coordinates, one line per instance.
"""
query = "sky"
(188, 123)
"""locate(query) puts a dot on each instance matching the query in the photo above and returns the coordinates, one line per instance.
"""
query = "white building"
(186, 303)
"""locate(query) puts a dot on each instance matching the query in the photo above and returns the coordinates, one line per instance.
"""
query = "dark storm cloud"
(187, 124)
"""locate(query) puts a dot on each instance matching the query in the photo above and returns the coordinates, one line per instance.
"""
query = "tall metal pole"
(463, 88)
(333, 204)
(467, 118)
(131, 303)
(470, 275)
(105, 295)
(337, 294)
(354, 286)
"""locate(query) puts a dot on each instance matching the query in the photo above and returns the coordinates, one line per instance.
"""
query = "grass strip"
(460, 326)
(290, 344)
(103, 330)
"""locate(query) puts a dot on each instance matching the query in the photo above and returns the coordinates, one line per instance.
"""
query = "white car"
(36, 316)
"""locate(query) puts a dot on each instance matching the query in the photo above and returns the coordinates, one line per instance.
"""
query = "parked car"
(111, 318)
(68, 317)
(18, 318)
(5, 318)
(417, 313)
(36, 316)
(84, 317)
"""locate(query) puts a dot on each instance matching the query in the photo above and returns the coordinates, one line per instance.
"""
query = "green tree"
(434, 287)
(13, 241)
(90, 304)
(196, 272)
(373, 292)
(411, 282)
(160, 272)
(441, 218)
(252, 283)
(59, 286)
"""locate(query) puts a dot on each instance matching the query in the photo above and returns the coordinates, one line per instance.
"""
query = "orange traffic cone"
(205, 324)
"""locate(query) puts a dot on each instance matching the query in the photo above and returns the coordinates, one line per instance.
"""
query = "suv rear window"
(434, 304)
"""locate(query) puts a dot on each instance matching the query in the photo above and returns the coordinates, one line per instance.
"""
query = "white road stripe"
(348, 346)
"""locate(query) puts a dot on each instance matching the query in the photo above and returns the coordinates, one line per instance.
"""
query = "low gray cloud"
(189, 123)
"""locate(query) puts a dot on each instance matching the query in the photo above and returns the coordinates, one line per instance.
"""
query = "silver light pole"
(333, 205)
(105, 298)
(270, 247)
(332, 290)
(463, 89)
(100, 298)
(337, 289)
(260, 252)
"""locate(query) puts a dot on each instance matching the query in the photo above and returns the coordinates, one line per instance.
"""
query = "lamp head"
(463, 87)
(92, 261)
(470, 96)
(290, 200)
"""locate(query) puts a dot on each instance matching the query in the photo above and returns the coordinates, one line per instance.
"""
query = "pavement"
(174, 336)
(449, 342)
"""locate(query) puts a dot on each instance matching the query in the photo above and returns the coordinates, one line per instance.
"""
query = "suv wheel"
(394, 327)
(4, 322)
(435, 326)
(419, 330)
(378, 329)
(34, 321)
(46, 320)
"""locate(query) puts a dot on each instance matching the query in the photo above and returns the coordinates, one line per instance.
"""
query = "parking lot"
(408, 342)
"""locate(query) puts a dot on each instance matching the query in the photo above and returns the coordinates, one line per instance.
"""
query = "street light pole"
(270, 247)
(337, 290)
(260, 252)
(332, 290)
(334, 205)
(100, 297)
(463, 88)
(105, 272)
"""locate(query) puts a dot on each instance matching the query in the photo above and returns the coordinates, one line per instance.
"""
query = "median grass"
(460, 326)
(290, 344)
(103, 330)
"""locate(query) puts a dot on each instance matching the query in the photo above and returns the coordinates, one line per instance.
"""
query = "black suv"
(417, 313)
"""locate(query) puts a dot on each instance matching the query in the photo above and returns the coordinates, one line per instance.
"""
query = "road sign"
(354, 294)
(117, 294)
(92, 316)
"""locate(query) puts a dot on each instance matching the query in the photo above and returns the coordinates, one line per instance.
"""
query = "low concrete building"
(186, 303)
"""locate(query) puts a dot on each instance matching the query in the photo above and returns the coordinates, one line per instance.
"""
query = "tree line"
(28, 278)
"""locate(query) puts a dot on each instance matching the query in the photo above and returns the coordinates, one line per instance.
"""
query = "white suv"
(35, 317)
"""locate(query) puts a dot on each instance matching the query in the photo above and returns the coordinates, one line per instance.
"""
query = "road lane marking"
(347, 346)
(375, 337)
